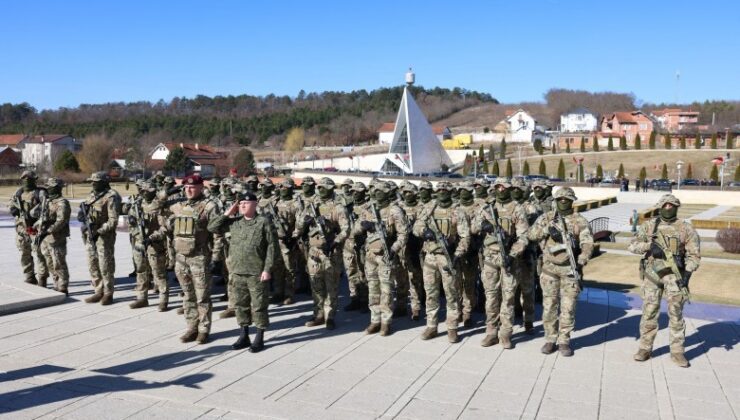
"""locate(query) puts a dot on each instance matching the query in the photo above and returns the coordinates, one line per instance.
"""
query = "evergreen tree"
(491, 153)
(481, 154)
(581, 177)
(525, 170)
(664, 172)
(561, 169)
(689, 172)
(599, 172)
(583, 144)
(737, 173)
(502, 151)
(697, 142)
(467, 164)
(509, 169)
(651, 141)
(543, 168)
(643, 174)
(553, 149)
(567, 147)
(730, 144)
(177, 161)
(638, 142)
(66, 162)
(610, 144)
(667, 141)
(620, 174)
(596, 144)
(622, 143)
(495, 171)
(538, 146)
(485, 167)
(243, 162)
(682, 142)
(714, 175)
(713, 141)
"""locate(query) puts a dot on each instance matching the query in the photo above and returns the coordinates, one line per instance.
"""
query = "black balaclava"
(466, 197)
(503, 196)
(99, 186)
(668, 215)
(325, 193)
(425, 195)
(286, 193)
(358, 197)
(267, 191)
(410, 198)
(382, 197)
(564, 206)
(444, 198)
(308, 189)
(540, 193)
(54, 192)
(29, 184)
(481, 191)
(148, 195)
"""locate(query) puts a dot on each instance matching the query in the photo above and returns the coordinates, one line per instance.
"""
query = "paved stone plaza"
(79, 361)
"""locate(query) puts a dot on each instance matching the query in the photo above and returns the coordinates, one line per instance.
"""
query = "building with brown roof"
(16, 141)
(10, 161)
(628, 124)
(675, 120)
(201, 158)
(41, 151)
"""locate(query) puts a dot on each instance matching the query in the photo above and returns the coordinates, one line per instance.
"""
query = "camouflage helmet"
(549, 183)
(287, 183)
(519, 183)
(565, 192)
(101, 177)
(483, 182)
(54, 182)
(669, 199)
(392, 184)
(215, 180)
(386, 187)
(348, 182)
(538, 183)
(308, 180)
(149, 186)
(425, 184)
(408, 187)
(359, 186)
(445, 185)
(29, 174)
(253, 178)
(168, 180)
(466, 185)
(239, 188)
(327, 183)
(228, 182)
(267, 182)
(502, 180)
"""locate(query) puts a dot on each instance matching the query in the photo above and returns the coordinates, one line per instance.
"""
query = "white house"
(578, 120)
(42, 151)
(520, 126)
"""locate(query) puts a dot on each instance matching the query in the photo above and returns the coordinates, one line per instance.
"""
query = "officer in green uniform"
(251, 266)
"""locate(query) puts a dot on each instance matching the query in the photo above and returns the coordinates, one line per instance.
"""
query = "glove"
(80, 216)
(321, 220)
(131, 220)
(15, 212)
(685, 279)
(146, 242)
(455, 261)
(392, 255)
(367, 226)
(428, 235)
(555, 234)
(582, 261)
(656, 251)
(516, 250)
(328, 247)
(307, 219)
(487, 226)
(93, 236)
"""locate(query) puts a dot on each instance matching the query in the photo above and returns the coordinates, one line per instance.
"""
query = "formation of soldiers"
(404, 249)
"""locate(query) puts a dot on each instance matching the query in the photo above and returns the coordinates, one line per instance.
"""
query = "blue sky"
(64, 53)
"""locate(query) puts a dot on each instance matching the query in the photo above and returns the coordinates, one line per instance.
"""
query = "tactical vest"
(190, 223)
(556, 252)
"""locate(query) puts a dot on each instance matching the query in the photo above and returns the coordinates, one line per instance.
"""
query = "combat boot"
(330, 325)
(548, 348)
(452, 336)
(364, 306)
(467, 321)
(373, 328)
(66, 293)
(31, 280)
(288, 300)
(679, 359)
(189, 336)
(202, 338)
(227, 313)
(529, 327)
(429, 333)
(385, 329)
(181, 310)
(641, 355)
(415, 315)
(139, 303)
(243, 340)
(506, 343)
(565, 350)
(400, 311)
(315, 321)
(94, 298)
(107, 299)
(162, 307)
(489, 340)
(258, 344)
(276, 299)
(353, 305)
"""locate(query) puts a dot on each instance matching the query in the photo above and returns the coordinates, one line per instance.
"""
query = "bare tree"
(96, 153)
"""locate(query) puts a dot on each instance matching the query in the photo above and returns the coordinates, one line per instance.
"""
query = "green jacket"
(253, 243)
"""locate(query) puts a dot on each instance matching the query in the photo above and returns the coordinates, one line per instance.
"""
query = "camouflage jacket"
(396, 226)
(188, 221)
(29, 202)
(155, 222)
(287, 210)
(679, 235)
(104, 211)
(452, 222)
(335, 220)
(530, 210)
(542, 206)
(555, 252)
(57, 220)
(513, 222)
(258, 243)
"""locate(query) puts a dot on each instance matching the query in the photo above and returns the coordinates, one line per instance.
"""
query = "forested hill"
(329, 118)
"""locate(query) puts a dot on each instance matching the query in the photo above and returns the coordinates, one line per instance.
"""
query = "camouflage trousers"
(354, 269)
(324, 272)
(54, 261)
(559, 290)
(380, 288)
(414, 282)
(171, 259)
(652, 291)
(25, 245)
(469, 274)
(102, 263)
(524, 271)
(281, 274)
(251, 297)
(195, 279)
(499, 287)
(151, 267)
(437, 277)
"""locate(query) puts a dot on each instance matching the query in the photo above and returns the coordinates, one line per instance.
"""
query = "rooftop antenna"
(410, 77)
(678, 86)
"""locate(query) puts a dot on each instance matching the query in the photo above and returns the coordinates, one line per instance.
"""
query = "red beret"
(192, 180)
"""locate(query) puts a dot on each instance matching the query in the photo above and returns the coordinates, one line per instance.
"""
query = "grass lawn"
(71, 191)
(711, 253)
(729, 215)
(712, 283)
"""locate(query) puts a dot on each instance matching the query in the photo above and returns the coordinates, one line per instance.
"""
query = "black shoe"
(258, 344)
(330, 325)
(276, 299)
(243, 341)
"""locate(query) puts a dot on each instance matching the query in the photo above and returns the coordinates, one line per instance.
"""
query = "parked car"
(556, 180)
(661, 184)
(455, 175)
(330, 169)
(690, 182)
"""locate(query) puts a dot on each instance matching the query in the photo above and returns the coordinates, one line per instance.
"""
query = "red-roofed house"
(675, 120)
(10, 161)
(16, 141)
(627, 124)
(40, 152)
(202, 158)
(385, 132)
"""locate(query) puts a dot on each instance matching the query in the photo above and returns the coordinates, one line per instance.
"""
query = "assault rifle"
(500, 237)
(442, 243)
(43, 220)
(279, 225)
(682, 280)
(23, 215)
(84, 218)
(380, 228)
(139, 214)
(320, 223)
(570, 246)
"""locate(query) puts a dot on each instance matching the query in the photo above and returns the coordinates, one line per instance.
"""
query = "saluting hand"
(265, 276)
(232, 210)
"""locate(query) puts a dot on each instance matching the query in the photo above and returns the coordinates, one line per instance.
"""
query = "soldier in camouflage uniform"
(251, 266)
(498, 279)
(103, 207)
(214, 188)
(170, 193)
(346, 191)
(325, 224)
(150, 246)
(559, 285)
(539, 197)
(220, 252)
(188, 221)
(548, 194)
(253, 183)
(380, 218)
(25, 203)
(410, 256)
(266, 205)
(426, 191)
(53, 231)
(469, 269)
(353, 253)
(658, 239)
(308, 192)
(287, 209)
(524, 267)
(436, 221)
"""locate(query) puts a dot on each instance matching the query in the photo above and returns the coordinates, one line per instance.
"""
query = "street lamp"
(679, 165)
